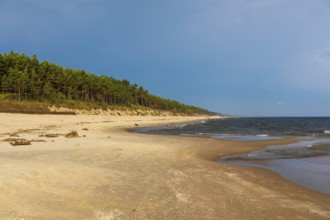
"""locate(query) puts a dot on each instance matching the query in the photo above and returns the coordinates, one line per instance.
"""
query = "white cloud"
(318, 56)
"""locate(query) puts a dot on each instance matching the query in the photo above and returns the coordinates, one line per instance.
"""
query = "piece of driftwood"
(72, 134)
(52, 135)
(19, 142)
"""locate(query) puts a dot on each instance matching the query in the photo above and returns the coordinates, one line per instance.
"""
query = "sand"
(110, 173)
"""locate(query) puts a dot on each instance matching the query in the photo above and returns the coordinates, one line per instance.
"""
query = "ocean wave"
(256, 127)
(246, 137)
(181, 125)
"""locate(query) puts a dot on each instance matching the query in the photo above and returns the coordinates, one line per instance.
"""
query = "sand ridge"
(110, 173)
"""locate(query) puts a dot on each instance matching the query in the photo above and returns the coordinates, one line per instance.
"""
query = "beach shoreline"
(110, 173)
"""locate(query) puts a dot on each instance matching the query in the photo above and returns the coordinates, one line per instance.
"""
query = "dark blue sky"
(245, 57)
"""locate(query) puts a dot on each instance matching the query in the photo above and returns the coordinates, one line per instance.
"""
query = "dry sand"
(115, 174)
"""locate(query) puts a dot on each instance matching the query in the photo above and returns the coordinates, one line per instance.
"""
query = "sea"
(306, 162)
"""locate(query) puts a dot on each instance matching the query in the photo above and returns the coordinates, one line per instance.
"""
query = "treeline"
(26, 78)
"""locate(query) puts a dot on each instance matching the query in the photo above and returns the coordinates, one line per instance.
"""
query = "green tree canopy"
(26, 78)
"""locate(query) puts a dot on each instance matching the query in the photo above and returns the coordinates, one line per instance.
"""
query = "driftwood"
(51, 135)
(19, 142)
(72, 134)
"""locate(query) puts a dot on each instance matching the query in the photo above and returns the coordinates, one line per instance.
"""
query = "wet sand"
(115, 174)
(306, 163)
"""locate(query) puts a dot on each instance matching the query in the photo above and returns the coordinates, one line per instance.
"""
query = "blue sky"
(243, 57)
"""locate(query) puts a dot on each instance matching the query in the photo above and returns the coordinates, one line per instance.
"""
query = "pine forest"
(25, 78)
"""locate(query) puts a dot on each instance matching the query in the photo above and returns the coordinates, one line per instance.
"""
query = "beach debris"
(108, 137)
(19, 142)
(136, 124)
(84, 135)
(52, 135)
(72, 134)
(85, 129)
(49, 135)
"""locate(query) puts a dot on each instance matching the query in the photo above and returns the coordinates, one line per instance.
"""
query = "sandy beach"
(110, 173)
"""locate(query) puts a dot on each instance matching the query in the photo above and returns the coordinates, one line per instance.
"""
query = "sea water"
(306, 163)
